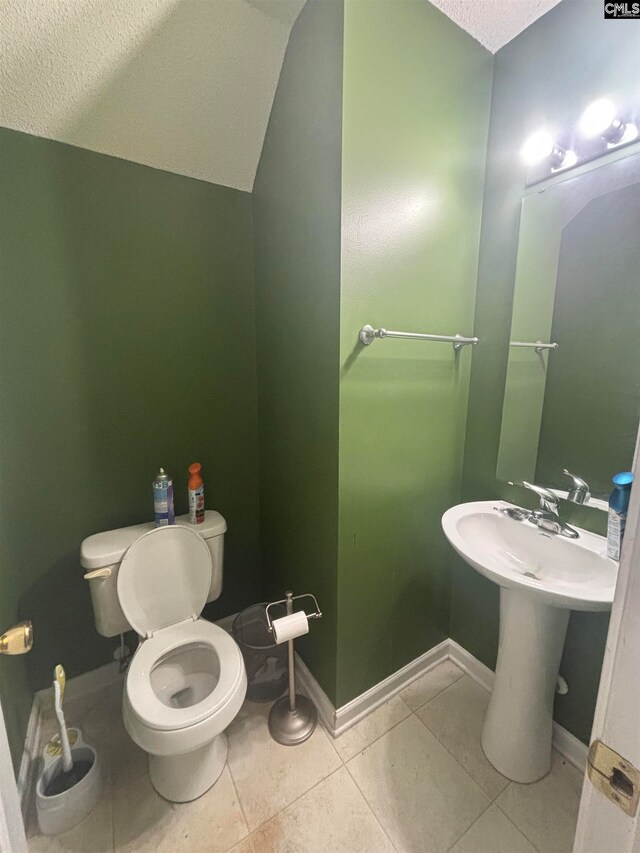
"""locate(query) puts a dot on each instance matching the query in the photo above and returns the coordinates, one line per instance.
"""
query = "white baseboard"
(474, 668)
(351, 713)
(30, 756)
(570, 747)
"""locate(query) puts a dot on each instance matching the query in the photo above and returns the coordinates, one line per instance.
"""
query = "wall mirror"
(574, 402)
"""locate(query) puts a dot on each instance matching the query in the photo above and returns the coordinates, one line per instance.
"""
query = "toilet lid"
(164, 578)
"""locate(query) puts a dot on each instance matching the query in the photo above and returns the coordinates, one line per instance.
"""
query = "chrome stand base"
(292, 727)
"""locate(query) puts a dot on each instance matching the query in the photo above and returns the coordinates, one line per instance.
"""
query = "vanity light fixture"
(604, 125)
(601, 119)
(541, 147)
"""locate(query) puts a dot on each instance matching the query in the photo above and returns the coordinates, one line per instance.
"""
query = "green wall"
(549, 73)
(127, 341)
(296, 205)
(415, 119)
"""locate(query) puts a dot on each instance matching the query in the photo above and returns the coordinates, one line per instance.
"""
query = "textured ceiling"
(494, 22)
(182, 85)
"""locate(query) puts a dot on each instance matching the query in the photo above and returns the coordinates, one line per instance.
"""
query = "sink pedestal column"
(517, 731)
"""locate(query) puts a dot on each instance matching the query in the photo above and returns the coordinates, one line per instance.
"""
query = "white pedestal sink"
(542, 577)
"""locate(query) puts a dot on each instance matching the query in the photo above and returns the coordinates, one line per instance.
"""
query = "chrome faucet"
(548, 500)
(547, 517)
(580, 492)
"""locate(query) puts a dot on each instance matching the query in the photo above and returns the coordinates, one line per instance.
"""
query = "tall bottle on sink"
(618, 507)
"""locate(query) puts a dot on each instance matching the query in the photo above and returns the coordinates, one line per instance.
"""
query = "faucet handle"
(580, 493)
(548, 500)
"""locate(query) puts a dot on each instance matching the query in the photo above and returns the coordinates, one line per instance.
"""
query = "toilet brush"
(68, 777)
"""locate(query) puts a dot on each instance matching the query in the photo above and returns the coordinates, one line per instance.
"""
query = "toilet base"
(182, 778)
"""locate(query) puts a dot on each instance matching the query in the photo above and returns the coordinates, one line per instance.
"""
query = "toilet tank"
(101, 554)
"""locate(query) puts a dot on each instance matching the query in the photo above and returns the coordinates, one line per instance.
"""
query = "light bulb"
(630, 133)
(541, 146)
(537, 147)
(600, 120)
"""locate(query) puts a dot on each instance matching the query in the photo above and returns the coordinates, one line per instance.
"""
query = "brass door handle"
(18, 640)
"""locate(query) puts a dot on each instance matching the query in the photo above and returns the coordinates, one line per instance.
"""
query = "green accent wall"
(548, 74)
(127, 341)
(296, 208)
(415, 120)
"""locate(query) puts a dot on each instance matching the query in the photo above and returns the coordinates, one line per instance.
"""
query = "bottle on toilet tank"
(196, 494)
(163, 499)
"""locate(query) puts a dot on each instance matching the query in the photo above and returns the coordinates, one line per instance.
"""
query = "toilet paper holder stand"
(292, 718)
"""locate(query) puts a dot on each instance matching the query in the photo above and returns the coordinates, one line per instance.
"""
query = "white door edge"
(601, 824)
(12, 834)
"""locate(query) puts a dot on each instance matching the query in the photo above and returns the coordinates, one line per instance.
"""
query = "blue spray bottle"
(618, 507)
(163, 499)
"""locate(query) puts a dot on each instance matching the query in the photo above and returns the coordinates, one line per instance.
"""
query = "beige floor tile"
(430, 684)
(143, 821)
(128, 761)
(546, 811)
(269, 776)
(245, 846)
(88, 713)
(373, 726)
(421, 795)
(333, 817)
(456, 717)
(493, 832)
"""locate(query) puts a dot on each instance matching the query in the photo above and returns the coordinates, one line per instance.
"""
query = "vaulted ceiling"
(181, 85)
(494, 22)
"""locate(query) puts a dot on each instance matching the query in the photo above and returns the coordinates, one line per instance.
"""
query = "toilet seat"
(163, 582)
(164, 578)
(145, 703)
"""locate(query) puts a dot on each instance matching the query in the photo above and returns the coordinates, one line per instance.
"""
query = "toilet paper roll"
(290, 627)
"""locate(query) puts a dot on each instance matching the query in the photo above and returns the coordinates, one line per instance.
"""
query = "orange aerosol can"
(196, 494)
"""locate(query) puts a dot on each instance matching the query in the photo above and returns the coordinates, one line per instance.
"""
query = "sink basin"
(542, 577)
(570, 573)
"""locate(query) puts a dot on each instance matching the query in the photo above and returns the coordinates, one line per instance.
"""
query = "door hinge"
(614, 776)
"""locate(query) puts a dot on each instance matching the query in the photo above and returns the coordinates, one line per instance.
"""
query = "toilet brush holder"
(59, 810)
(293, 718)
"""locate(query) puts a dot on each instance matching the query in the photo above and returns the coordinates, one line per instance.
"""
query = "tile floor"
(409, 777)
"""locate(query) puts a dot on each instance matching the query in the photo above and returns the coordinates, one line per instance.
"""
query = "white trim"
(600, 824)
(469, 664)
(570, 747)
(30, 755)
(12, 833)
(351, 713)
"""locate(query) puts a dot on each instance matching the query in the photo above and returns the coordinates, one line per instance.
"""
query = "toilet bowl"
(186, 681)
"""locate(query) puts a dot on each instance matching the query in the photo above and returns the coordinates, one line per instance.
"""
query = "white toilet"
(186, 681)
